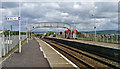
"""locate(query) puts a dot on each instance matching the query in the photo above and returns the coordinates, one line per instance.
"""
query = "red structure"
(76, 31)
(68, 32)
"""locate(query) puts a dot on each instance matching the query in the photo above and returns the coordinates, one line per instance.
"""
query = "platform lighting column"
(0, 48)
(0, 34)
(27, 35)
(64, 16)
(31, 34)
(94, 26)
(19, 28)
(9, 35)
(26, 32)
(3, 37)
(73, 28)
(63, 22)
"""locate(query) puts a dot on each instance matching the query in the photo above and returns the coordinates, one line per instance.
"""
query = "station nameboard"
(12, 18)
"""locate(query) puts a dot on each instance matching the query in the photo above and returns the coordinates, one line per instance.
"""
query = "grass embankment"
(13, 50)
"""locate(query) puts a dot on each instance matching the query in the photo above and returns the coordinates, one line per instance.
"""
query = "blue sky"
(106, 14)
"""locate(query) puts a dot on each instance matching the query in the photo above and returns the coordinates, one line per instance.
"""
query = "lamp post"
(73, 24)
(31, 34)
(94, 22)
(64, 16)
(94, 26)
(75, 6)
(19, 28)
(26, 31)
(74, 27)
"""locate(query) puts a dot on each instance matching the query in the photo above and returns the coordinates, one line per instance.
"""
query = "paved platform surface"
(109, 45)
(54, 58)
(31, 56)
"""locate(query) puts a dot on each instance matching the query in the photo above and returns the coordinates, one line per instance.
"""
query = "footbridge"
(48, 25)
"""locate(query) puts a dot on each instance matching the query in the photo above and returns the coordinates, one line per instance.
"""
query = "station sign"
(13, 18)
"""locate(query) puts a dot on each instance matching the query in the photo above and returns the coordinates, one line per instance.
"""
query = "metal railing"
(107, 38)
(7, 44)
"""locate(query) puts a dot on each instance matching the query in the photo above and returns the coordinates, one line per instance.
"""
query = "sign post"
(19, 20)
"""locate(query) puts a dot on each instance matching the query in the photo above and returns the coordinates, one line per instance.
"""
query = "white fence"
(7, 45)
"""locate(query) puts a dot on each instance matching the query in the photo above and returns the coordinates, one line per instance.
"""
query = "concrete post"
(103, 38)
(9, 34)
(117, 38)
(3, 45)
(7, 44)
(31, 34)
(0, 48)
(27, 36)
(107, 39)
(112, 39)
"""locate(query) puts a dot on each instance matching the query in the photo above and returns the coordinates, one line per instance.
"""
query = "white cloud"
(50, 5)
(105, 13)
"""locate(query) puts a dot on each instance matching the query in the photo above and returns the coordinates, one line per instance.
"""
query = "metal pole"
(19, 28)
(103, 38)
(94, 24)
(31, 34)
(27, 36)
(1, 37)
(26, 32)
(3, 45)
(0, 48)
(95, 27)
(9, 40)
(7, 43)
(9, 35)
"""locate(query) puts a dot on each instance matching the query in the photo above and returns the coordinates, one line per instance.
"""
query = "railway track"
(82, 58)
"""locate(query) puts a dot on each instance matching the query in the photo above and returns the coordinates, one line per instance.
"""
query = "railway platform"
(109, 45)
(37, 54)
(30, 57)
(55, 59)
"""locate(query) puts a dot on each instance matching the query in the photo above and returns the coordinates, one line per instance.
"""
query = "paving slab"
(55, 59)
(31, 56)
